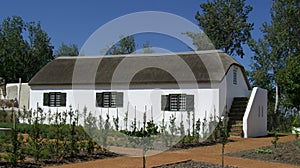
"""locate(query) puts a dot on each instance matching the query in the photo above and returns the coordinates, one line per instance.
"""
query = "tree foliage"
(126, 45)
(225, 23)
(200, 41)
(67, 50)
(291, 82)
(24, 49)
(276, 60)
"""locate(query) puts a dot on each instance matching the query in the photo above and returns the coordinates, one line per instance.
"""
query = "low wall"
(13, 90)
(255, 117)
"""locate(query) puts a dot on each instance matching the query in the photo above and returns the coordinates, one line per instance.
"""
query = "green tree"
(283, 33)
(200, 41)
(276, 60)
(24, 49)
(67, 50)
(225, 23)
(126, 45)
(291, 82)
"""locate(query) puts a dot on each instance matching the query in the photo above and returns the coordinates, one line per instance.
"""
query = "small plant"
(264, 151)
(296, 122)
(222, 126)
(100, 121)
(143, 137)
(181, 127)
(16, 152)
(172, 126)
(73, 137)
(275, 139)
(36, 141)
(295, 126)
(188, 120)
(133, 124)
(204, 128)
(106, 129)
(212, 124)
(198, 127)
(193, 124)
(116, 121)
(50, 117)
(163, 131)
(125, 119)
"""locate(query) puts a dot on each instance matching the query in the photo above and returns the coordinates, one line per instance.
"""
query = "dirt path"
(211, 154)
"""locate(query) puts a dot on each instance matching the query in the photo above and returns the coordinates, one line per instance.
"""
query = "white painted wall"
(206, 102)
(255, 117)
(209, 100)
(228, 90)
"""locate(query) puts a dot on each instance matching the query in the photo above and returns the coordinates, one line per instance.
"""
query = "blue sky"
(72, 22)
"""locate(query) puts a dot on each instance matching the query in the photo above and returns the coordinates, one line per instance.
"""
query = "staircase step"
(236, 114)
(239, 134)
(232, 110)
(240, 98)
(233, 128)
(233, 122)
(236, 117)
(240, 105)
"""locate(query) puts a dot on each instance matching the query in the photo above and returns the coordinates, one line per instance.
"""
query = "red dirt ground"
(211, 154)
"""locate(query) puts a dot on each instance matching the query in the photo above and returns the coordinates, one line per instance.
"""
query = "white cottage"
(209, 83)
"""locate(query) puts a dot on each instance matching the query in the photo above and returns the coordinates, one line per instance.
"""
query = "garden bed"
(48, 162)
(190, 164)
(287, 152)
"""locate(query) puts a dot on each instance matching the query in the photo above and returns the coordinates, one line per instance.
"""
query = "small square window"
(177, 102)
(235, 76)
(109, 99)
(54, 99)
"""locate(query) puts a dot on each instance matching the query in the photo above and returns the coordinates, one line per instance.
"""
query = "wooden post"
(14, 118)
(151, 112)
(19, 92)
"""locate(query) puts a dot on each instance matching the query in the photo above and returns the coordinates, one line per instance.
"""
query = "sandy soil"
(211, 154)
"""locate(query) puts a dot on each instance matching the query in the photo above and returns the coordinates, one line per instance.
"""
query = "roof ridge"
(143, 54)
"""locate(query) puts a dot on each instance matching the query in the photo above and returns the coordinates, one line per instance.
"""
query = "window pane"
(113, 99)
(235, 76)
(182, 102)
(119, 99)
(57, 99)
(63, 99)
(174, 102)
(165, 103)
(99, 99)
(46, 101)
(52, 99)
(106, 98)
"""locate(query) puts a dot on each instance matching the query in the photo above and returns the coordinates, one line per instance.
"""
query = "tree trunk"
(144, 157)
(276, 98)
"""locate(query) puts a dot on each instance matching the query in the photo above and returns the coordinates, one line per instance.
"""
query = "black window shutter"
(189, 102)
(99, 99)
(46, 101)
(165, 103)
(63, 99)
(119, 99)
